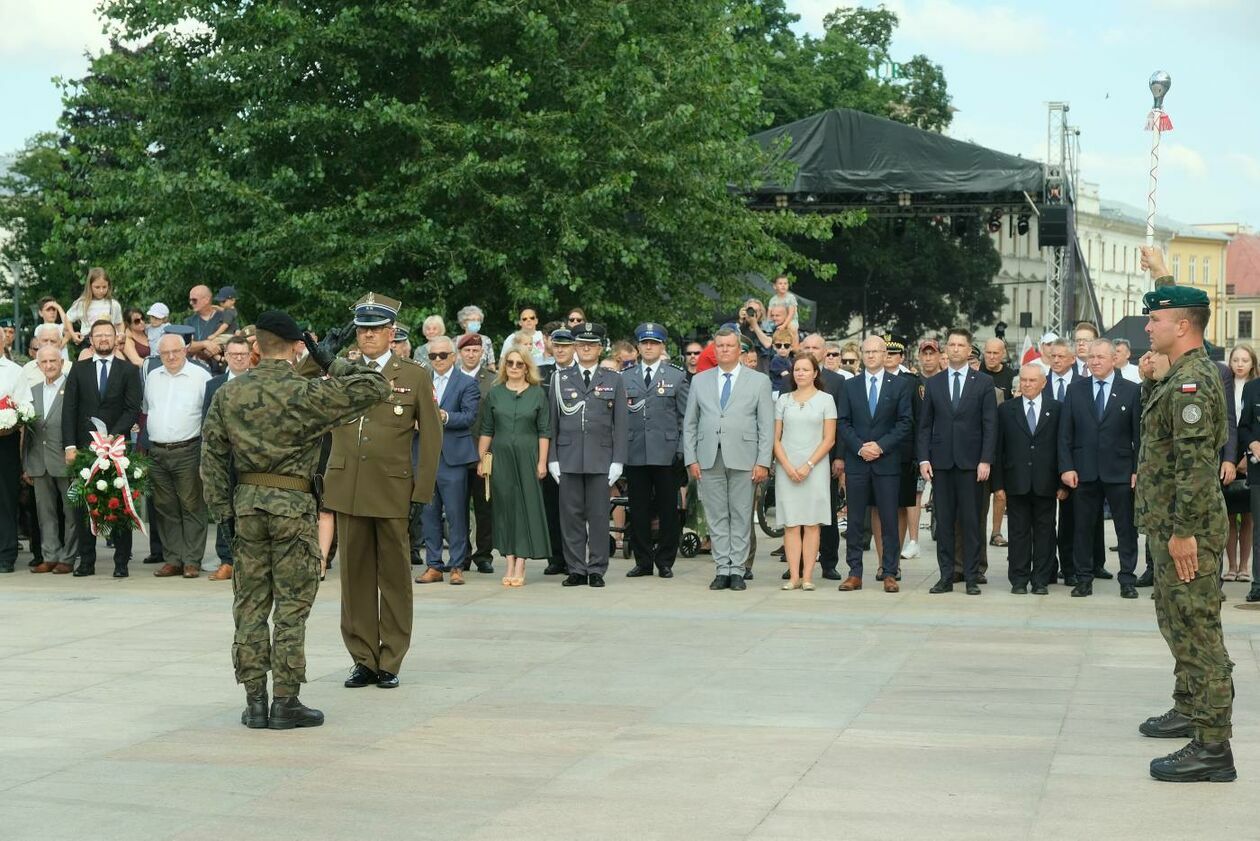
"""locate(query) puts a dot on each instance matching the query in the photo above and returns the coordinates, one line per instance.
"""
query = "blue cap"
(562, 337)
(224, 293)
(650, 332)
(375, 310)
(184, 331)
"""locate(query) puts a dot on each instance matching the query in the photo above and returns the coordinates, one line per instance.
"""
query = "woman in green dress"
(515, 425)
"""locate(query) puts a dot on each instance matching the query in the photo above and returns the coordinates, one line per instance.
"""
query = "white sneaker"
(910, 550)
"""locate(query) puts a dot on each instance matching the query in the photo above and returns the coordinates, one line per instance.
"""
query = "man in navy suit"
(956, 440)
(1026, 476)
(874, 420)
(457, 398)
(1098, 447)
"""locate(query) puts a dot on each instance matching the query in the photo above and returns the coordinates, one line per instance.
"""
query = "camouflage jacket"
(272, 422)
(1178, 473)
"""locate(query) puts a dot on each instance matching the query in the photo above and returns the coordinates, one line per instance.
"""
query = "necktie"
(726, 391)
(874, 397)
(104, 376)
(1032, 419)
(647, 377)
(1059, 394)
(376, 366)
(957, 388)
(1099, 403)
(586, 375)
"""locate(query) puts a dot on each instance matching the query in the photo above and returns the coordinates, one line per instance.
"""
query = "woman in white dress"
(804, 431)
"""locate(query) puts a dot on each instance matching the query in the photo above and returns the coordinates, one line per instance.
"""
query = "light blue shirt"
(877, 380)
(721, 380)
(962, 381)
(1106, 387)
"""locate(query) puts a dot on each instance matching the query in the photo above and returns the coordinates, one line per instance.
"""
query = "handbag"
(487, 463)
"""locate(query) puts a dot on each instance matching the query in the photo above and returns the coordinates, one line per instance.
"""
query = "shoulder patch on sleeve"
(1189, 388)
(1191, 413)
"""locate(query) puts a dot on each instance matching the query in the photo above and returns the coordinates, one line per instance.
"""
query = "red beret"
(470, 339)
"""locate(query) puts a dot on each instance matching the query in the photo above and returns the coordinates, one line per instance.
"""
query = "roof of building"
(1122, 212)
(1242, 264)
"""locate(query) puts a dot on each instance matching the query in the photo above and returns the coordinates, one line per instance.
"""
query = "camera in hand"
(750, 312)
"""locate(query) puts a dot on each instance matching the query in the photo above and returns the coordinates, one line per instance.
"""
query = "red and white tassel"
(1158, 120)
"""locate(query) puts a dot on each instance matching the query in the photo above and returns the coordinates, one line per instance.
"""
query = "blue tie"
(874, 398)
(1059, 395)
(1032, 419)
(104, 376)
(726, 391)
(1099, 404)
(957, 388)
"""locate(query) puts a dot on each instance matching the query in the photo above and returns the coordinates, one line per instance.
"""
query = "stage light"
(995, 221)
(903, 199)
(1021, 225)
(781, 201)
(899, 226)
(960, 225)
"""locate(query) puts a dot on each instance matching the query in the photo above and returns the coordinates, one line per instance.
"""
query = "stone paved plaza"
(649, 710)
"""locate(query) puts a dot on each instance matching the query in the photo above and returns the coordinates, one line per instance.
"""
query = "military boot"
(287, 713)
(1197, 762)
(254, 716)
(1170, 725)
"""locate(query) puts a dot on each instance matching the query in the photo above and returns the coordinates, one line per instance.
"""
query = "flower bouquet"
(14, 415)
(109, 483)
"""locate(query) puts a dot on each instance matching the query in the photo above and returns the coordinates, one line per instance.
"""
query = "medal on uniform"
(573, 395)
(660, 389)
(398, 410)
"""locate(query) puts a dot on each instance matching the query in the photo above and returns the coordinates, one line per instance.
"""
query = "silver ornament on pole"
(1157, 122)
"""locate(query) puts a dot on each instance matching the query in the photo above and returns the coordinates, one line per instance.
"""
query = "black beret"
(279, 323)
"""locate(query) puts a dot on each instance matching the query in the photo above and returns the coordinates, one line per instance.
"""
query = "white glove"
(614, 473)
(553, 467)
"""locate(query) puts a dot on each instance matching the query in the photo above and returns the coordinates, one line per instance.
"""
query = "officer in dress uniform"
(370, 482)
(656, 396)
(588, 451)
(562, 350)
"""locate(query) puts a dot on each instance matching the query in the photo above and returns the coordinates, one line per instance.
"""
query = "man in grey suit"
(728, 433)
(44, 466)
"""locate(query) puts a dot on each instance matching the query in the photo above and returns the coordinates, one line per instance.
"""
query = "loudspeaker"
(1025, 320)
(1052, 226)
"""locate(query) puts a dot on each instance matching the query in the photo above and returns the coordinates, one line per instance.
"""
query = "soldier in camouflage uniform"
(1181, 511)
(267, 428)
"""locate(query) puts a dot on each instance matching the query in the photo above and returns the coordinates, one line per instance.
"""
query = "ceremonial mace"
(1157, 122)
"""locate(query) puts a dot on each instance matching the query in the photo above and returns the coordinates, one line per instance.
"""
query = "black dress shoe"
(1103, 574)
(1253, 595)
(665, 572)
(595, 580)
(982, 579)
(778, 553)
(747, 576)
(1146, 579)
(720, 582)
(485, 567)
(360, 676)
(554, 569)
(121, 572)
(154, 559)
(786, 575)
(1197, 762)
(34, 562)
(1128, 591)
(386, 680)
(1039, 590)
(973, 589)
(1083, 589)
(737, 583)
(1069, 581)
(959, 578)
(832, 574)
(1019, 590)
(638, 572)
(254, 716)
(83, 570)
(287, 713)
(1170, 725)
(574, 580)
(942, 586)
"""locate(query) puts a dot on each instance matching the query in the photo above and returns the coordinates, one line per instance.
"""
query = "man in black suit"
(1098, 447)
(873, 421)
(106, 387)
(956, 440)
(1026, 476)
(829, 534)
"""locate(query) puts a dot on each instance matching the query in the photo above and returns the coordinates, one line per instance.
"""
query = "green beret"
(1173, 298)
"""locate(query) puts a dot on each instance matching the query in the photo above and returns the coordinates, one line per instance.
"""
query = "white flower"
(124, 463)
(102, 485)
(86, 473)
(26, 411)
(137, 473)
(120, 482)
(8, 418)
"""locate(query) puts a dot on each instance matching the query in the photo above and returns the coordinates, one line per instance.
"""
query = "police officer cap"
(375, 310)
(278, 323)
(184, 331)
(563, 336)
(650, 332)
(1173, 298)
(894, 346)
(401, 333)
(588, 332)
(6, 322)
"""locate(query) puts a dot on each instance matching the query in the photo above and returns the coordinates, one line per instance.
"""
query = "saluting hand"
(1185, 555)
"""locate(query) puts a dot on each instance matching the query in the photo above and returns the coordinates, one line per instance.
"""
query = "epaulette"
(677, 367)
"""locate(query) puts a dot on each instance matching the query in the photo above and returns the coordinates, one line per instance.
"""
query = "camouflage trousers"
(277, 565)
(1189, 616)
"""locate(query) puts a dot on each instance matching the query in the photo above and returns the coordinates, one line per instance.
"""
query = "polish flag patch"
(1189, 388)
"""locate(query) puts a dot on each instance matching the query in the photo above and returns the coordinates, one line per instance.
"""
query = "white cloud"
(43, 29)
(1248, 165)
(1000, 30)
(1178, 156)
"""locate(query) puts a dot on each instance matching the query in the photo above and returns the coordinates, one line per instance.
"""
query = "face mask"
(474, 326)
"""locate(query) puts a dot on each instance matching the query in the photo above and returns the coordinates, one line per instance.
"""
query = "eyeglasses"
(781, 345)
(849, 361)
(137, 321)
(832, 354)
(529, 318)
(573, 320)
(377, 329)
(691, 353)
(439, 355)
(172, 353)
(514, 363)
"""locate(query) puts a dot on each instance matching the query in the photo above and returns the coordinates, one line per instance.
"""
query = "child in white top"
(783, 298)
(94, 304)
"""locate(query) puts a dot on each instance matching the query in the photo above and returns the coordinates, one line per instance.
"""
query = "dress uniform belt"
(275, 480)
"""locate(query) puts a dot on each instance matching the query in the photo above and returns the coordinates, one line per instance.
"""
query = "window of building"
(1124, 266)
(1207, 271)
(1176, 268)
(1244, 324)
(1113, 256)
(1193, 269)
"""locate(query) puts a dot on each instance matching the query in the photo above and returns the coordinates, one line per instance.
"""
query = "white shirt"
(721, 378)
(1238, 389)
(877, 379)
(1055, 379)
(380, 361)
(439, 384)
(842, 372)
(12, 383)
(649, 371)
(51, 391)
(1093, 387)
(473, 373)
(35, 377)
(1036, 407)
(962, 381)
(173, 403)
(583, 370)
(1131, 373)
(108, 362)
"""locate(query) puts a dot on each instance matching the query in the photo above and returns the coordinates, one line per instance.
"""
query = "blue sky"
(1003, 61)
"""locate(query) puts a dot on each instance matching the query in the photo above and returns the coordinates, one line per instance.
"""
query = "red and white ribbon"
(111, 451)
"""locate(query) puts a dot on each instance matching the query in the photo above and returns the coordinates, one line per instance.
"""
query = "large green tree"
(443, 152)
